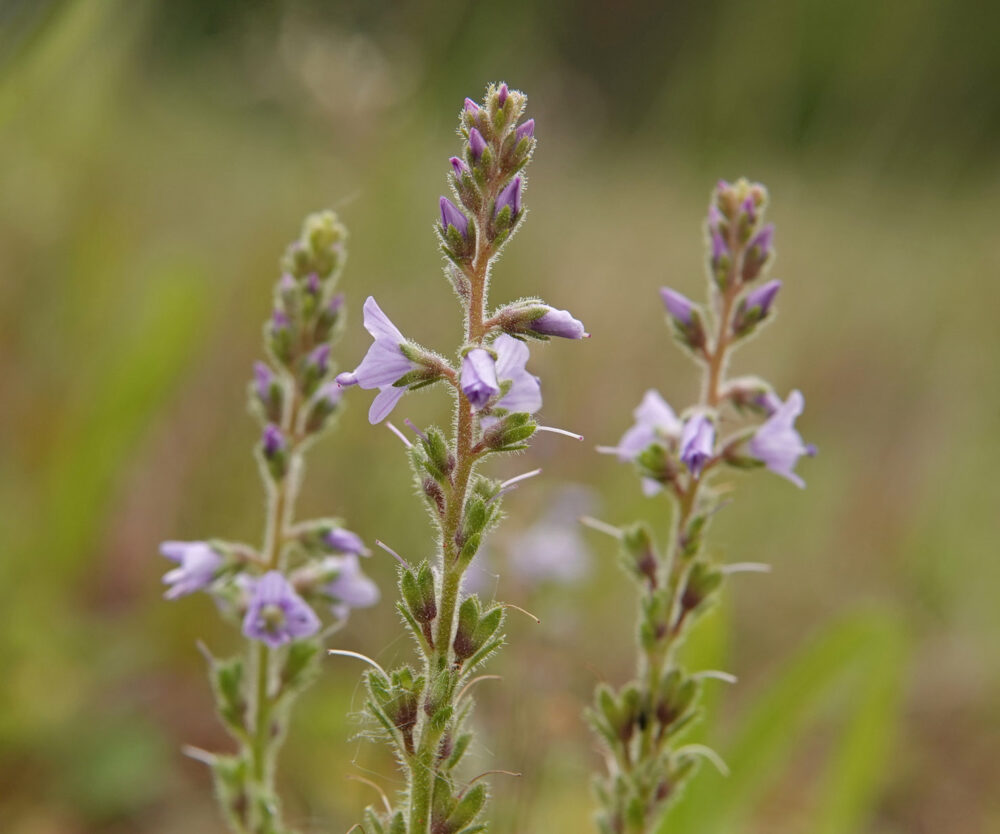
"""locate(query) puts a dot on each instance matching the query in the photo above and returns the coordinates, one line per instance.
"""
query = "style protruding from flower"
(276, 615)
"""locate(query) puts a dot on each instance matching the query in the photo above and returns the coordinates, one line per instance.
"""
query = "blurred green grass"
(155, 159)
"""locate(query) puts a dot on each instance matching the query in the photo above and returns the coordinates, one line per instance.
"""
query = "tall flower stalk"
(737, 423)
(272, 592)
(422, 710)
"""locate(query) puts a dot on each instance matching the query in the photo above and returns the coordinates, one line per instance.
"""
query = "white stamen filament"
(715, 674)
(601, 526)
(511, 481)
(574, 435)
(359, 656)
(399, 434)
(391, 552)
(745, 567)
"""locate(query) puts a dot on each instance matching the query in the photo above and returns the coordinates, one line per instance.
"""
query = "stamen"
(399, 434)
(745, 567)
(385, 800)
(412, 427)
(393, 553)
(488, 772)
(511, 481)
(574, 435)
(465, 688)
(601, 527)
(519, 608)
(359, 656)
(715, 674)
(707, 753)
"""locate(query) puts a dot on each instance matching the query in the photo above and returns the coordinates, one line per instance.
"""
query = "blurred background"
(155, 158)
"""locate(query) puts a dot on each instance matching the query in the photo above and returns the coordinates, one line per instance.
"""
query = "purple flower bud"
(461, 169)
(510, 196)
(276, 614)
(677, 305)
(471, 106)
(763, 297)
(451, 215)
(312, 284)
(279, 321)
(330, 395)
(502, 94)
(333, 308)
(525, 131)
(344, 541)
(319, 359)
(263, 379)
(748, 210)
(198, 565)
(778, 445)
(697, 443)
(719, 248)
(273, 441)
(476, 144)
(350, 588)
(763, 241)
(479, 377)
(287, 284)
(559, 323)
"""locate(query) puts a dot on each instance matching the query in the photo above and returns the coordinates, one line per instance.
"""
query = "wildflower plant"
(737, 423)
(304, 579)
(422, 710)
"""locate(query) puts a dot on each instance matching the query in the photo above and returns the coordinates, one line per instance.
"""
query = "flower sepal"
(509, 433)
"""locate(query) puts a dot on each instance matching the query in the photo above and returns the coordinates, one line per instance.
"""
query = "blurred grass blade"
(861, 653)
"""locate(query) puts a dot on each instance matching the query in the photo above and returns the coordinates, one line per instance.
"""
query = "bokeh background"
(157, 155)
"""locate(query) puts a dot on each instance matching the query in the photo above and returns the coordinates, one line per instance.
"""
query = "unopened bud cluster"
(739, 423)
(277, 594)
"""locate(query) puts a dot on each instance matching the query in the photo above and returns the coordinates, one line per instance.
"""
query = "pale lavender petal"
(559, 323)
(377, 323)
(384, 403)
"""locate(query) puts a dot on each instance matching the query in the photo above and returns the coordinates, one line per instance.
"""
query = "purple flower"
(273, 441)
(654, 420)
(461, 169)
(350, 588)
(778, 445)
(479, 377)
(525, 131)
(276, 615)
(476, 144)
(471, 106)
(383, 365)
(451, 215)
(198, 565)
(263, 379)
(697, 443)
(502, 94)
(677, 305)
(558, 323)
(510, 197)
(525, 392)
(763, 297)
(345, 541)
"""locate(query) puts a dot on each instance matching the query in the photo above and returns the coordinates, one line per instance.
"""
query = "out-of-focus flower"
(276, 615)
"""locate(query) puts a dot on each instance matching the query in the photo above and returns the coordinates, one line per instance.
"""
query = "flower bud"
(315, 367)
(686, 318)
(697, 442)
(754, 308)
(268, 392)
(479, 377)
(509, 433)
(759, 252)
(476, 145)
(508, 205)
(323, 406)
(274, 451)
